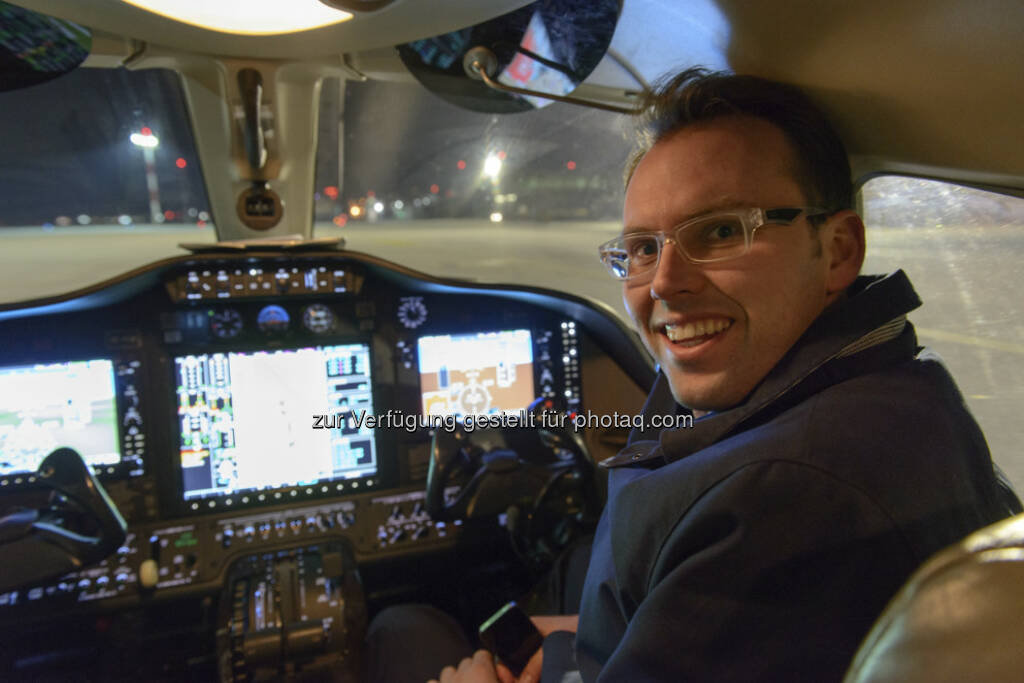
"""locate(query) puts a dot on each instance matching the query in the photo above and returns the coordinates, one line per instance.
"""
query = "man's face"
(764, 300)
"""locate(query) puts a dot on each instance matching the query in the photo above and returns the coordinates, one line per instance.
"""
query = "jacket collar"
(863, 332)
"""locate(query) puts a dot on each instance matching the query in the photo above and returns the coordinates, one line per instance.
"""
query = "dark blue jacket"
(762, 543)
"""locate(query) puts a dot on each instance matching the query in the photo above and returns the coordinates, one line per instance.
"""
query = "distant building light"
(571, 165)
(124, 219)
(496, 217)
(427, 201)
(417, 202)
(340, 220)
(63, 221)
(170, 215)
(331, 191)
(180, 162)
(146, 130)
(84, 219)
(399, 205)
(501, 154)
(461, 165)
(355, 210)
(203, 216)
(435, 188)
(193, 212)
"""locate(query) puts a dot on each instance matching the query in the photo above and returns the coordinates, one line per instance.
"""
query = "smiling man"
(830, 455)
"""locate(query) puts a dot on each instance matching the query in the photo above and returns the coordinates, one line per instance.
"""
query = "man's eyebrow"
(718, 205)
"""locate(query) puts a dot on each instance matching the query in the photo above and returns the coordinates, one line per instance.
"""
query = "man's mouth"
(696, 332)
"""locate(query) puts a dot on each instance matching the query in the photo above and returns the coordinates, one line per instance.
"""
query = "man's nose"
(675, 274)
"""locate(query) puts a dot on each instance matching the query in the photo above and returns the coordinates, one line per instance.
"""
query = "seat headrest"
(960, 617)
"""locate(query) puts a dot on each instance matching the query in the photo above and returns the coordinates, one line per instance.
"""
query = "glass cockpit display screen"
(44, 407)
(485, 373)
(247, 419)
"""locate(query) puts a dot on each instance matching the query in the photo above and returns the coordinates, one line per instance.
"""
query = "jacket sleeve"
(775, 573)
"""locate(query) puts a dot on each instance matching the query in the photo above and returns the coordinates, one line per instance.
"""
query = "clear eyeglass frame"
(637, 254)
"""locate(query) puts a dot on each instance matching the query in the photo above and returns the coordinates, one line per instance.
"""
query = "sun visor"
(35, 48)
(549, 46)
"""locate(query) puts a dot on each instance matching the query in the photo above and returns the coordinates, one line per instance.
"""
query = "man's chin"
(698, 393)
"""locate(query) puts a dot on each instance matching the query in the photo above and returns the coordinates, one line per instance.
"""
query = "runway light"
(496, 217)
(492, 166)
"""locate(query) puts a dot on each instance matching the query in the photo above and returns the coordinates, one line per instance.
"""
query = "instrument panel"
(233, 404)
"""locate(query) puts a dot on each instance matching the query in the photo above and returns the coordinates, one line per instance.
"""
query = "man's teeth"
(700, 328)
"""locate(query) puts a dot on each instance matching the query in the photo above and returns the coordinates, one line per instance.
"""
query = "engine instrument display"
(249, 420)
(485, 373)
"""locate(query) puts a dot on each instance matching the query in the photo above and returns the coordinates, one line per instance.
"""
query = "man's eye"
(642, 249)
(721, 233)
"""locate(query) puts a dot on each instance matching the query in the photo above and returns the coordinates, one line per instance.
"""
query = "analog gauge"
(272, 319)
(412, 312)
(225, 323)
(318, 319)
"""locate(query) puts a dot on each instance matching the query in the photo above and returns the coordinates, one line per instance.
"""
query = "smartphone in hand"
(511, 637)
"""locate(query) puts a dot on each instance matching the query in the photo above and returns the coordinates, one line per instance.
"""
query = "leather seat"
(960, 617)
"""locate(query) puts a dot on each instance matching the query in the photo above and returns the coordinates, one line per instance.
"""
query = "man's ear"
(843, 247)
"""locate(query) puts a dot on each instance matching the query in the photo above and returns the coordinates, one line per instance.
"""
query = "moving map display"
(485, 373)
(48, 406)
(247, 418)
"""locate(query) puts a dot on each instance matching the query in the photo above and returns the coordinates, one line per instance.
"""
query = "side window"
(962, 249)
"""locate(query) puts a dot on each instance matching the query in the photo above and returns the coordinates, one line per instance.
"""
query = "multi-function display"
(486, 373)
(53, 405)
(247, 419)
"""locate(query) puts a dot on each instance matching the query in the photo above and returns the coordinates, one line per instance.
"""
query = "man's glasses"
(717, 236)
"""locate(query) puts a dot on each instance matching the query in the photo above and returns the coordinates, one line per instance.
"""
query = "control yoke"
(69, 523)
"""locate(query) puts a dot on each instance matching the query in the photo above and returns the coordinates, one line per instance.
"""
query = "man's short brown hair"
(698, 95)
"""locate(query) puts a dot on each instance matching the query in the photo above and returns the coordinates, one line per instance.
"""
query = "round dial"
(412, 312)
(272, 319)
(225, 323)
(318, 319)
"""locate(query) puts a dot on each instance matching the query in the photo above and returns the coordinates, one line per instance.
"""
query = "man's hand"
(546, 625)
(479, 669)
